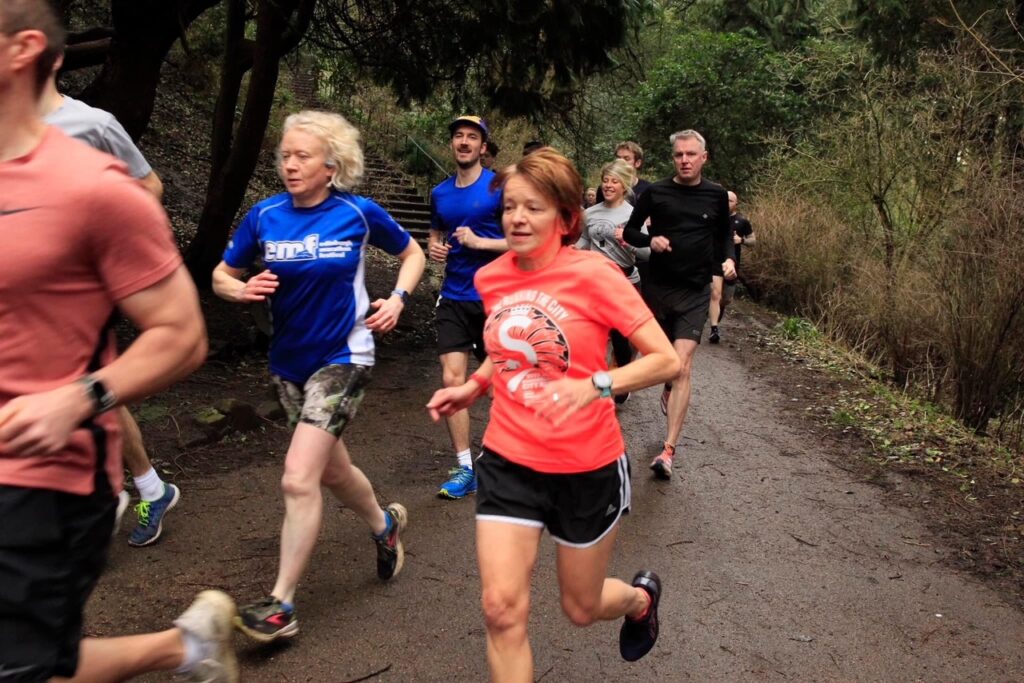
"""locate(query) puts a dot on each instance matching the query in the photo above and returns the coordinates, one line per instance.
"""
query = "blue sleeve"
(436, 223)
(385, 232)
(244, 246)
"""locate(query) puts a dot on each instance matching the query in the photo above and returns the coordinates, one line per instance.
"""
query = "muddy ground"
(780, 560)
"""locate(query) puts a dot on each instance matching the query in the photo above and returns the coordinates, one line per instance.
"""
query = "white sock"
(196, 650)
(150, 485)
(465, 458)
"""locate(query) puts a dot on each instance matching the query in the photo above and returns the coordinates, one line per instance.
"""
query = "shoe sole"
(222, 604)
(661, 471)
(401, 516)
(651, 584)
(443, 493)
(289, 631)
(123, 499)
(160, 526)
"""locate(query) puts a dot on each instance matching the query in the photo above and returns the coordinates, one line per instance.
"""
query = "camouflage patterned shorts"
(328, 400)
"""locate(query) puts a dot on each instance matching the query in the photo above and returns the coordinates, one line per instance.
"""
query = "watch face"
(602, 380)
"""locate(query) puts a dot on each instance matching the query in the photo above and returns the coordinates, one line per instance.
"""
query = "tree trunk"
(235, 159)
(144, 31)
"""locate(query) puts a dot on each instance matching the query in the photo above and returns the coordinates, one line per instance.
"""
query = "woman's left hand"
(562, 398)
(386, 317)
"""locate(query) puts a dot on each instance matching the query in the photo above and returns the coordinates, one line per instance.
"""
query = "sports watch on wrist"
(103, 399)
(402, 294)
(602, 381)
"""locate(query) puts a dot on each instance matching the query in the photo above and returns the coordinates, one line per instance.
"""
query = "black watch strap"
(102, 398)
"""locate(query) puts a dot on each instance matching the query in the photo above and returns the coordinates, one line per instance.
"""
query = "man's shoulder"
(77, 114)
(73, 163)
(712, 187)
(443, 186)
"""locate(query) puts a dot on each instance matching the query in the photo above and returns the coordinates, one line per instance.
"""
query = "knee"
(453, 378)
(580, 613)
(296, 484)
(684, 371)
(504, 612)
(336, 474)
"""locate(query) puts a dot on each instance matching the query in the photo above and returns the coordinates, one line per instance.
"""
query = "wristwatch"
(402, 294)
(602, 381)
(103, 399)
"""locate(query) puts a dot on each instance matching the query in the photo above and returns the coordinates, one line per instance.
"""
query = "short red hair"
(558, 180)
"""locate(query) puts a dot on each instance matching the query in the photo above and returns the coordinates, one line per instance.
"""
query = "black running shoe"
(637, 636)
(714, 337)
(390, 553)
(267, 620)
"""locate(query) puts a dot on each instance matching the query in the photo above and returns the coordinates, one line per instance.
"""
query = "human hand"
(466, 237)
(438, 251)
(729, 269)
(386, 317)
(258, 287)
(660, 244)
(563, 398)
(39, 424)
(737, 239)
(451, 400)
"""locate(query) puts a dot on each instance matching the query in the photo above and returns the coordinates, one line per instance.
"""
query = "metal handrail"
(427, 154)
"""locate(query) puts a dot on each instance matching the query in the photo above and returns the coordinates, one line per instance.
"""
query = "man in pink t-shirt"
(72, 257)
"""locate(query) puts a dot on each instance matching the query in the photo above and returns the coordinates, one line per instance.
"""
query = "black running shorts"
(460, 327)
(328, 400)
(577, 509)
(681, 313)
(53, 547)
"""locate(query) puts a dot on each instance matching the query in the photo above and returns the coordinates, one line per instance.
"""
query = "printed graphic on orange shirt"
(527, 346)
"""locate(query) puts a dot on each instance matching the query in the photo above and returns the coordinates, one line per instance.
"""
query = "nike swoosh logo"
(8, 212)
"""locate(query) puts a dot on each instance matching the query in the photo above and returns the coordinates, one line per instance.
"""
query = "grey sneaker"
(390, 552)
(209, 619)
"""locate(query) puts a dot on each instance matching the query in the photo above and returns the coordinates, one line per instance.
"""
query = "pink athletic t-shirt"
(543, 325)
(77, 235)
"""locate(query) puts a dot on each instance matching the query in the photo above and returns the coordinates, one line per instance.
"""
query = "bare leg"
(506, 554)
(679, 399)
(715, 309)
(304, 466)
(135, 458)
(118, 659)
(587, 594)
(349, 485)
(454, 367)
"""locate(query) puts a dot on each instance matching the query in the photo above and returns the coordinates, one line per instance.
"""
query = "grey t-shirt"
(599, 223)
(99, 129)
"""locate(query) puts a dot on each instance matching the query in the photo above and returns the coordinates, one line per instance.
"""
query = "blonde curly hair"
(341, 145)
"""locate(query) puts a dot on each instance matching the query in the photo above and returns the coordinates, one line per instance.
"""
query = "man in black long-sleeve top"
(688, 234)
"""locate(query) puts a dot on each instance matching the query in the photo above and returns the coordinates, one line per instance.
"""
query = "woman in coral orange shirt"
(553, 454)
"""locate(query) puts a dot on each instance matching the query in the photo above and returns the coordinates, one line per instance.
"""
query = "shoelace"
(142, 511)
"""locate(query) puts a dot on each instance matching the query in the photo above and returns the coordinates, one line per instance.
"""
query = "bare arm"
(172, 343)
(470, 239)
(388, 310)
(153, 184)
(228, 284)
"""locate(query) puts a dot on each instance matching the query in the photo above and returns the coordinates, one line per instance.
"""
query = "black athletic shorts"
(53, 547)
(682, 312)
(578, 509)
(460, 327)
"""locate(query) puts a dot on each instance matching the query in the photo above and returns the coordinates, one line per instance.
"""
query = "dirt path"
(778, 564)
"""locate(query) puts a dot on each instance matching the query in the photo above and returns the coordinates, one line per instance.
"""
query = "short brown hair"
(558, 180)
(637, 150)
(35, 15)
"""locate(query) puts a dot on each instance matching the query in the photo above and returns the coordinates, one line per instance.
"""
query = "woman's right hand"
(451, 400)
(258, 287)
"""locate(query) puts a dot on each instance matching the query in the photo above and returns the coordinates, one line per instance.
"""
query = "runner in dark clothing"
(722, 290)
(688, 233)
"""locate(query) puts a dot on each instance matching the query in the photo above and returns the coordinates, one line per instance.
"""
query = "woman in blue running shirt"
(312, 239)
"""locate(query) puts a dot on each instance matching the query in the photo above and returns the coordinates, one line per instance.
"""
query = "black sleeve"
(724, 246)
(744, 228)
(632, 234)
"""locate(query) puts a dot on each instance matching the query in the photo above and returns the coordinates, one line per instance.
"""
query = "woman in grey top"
(599, 224)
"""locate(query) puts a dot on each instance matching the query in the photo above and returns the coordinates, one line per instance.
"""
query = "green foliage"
(732, 88)
(798, 329)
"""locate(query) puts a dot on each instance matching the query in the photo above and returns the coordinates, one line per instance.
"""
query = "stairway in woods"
(396, 192)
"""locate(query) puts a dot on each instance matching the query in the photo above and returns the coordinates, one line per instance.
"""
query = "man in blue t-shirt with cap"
(465, 234)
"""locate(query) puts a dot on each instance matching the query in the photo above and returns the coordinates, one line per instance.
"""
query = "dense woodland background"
(875, 145)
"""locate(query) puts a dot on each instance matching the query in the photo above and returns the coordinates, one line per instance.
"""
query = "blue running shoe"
(461, 483)
(151, 517)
